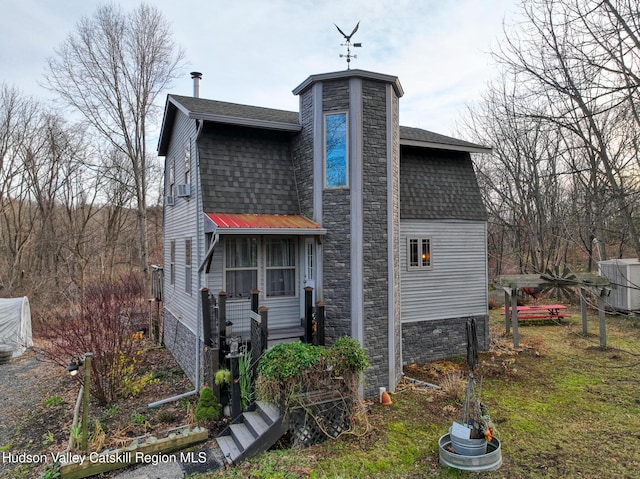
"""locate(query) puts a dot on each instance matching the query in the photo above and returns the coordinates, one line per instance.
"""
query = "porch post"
(308, 314)
(318, 339)
(222, 324)
(264, 330)
(255, 293)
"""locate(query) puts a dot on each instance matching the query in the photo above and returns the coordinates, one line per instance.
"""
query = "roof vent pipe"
(196, 77)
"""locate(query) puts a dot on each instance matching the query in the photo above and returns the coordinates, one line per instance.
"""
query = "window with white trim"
(280, 267)
(187, 162)
(172, 262)
(187, 265)
(172, 177)
(418, 253)
(241, 266)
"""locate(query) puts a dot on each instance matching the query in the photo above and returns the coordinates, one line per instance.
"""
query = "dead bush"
(107, 324)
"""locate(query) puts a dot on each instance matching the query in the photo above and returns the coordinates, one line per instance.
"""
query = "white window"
(267, 264)
(187, 163)
(241, 266)
(172, 177)
(418, 253)
(187, 265)
(280, 267)
(172, 262)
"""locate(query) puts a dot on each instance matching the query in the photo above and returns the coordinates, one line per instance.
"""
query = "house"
(385, 223)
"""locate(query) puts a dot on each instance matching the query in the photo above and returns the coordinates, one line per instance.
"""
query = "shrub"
(347, 355)
(208, 408)
(104, 324)
(287, 370)
(286, 361)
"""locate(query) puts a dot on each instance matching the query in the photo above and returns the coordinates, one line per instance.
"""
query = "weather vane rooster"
(348, 44)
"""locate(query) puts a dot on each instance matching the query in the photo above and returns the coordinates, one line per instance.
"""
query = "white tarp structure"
(15, 325)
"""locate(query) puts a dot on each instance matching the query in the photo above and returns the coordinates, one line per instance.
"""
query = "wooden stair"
(251, 433)
(284, 335)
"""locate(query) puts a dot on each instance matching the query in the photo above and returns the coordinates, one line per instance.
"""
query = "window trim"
(420, 242)
(188, 273)
(172, 262)
(261, 267)
(226, 268)
(268, 268)
(346, 149)
(172, 176)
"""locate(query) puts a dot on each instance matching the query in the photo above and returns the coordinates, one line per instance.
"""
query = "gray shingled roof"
(270, 118)
(439, 184)
(410, 134)
(202, 108)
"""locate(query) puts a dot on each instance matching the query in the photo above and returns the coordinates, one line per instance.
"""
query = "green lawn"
(564, 407)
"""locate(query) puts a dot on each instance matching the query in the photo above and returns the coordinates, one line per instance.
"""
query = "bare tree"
(19, 116)
(111, 69)
(564, 122)
(521, 180)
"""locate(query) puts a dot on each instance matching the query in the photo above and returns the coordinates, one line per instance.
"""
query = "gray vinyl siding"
(456, 284)
(180, 224)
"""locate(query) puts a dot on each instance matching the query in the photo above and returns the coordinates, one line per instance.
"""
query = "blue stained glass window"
(336, 150)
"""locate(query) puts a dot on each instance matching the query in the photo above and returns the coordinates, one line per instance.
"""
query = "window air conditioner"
(183, 191)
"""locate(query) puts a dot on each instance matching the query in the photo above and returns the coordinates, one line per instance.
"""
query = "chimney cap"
(196, 75)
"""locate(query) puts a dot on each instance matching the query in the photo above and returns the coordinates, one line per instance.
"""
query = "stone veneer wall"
(303, 156)
(336, 218)
(375, 235)
(426, 341)
(181, 342)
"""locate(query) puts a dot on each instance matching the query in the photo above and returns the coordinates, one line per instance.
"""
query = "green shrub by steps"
(208, 408)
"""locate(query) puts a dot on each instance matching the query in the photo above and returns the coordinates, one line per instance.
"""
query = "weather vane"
(348, 44)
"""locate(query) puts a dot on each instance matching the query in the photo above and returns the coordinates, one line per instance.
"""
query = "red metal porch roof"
(264, 223)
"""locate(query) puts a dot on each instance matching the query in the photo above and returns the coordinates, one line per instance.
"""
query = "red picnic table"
(541, 311)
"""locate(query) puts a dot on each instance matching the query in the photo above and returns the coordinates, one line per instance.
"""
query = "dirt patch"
(37, 399)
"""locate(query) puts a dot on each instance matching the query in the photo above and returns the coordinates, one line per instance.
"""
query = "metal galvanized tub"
(490, 461)
(468, 447)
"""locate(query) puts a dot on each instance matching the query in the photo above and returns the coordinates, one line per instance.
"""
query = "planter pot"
(468, 447)
(490, 461)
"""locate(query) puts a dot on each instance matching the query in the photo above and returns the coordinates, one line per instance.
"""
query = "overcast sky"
(256, 51)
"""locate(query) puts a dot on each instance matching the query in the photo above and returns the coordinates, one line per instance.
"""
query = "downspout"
(197, 195)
